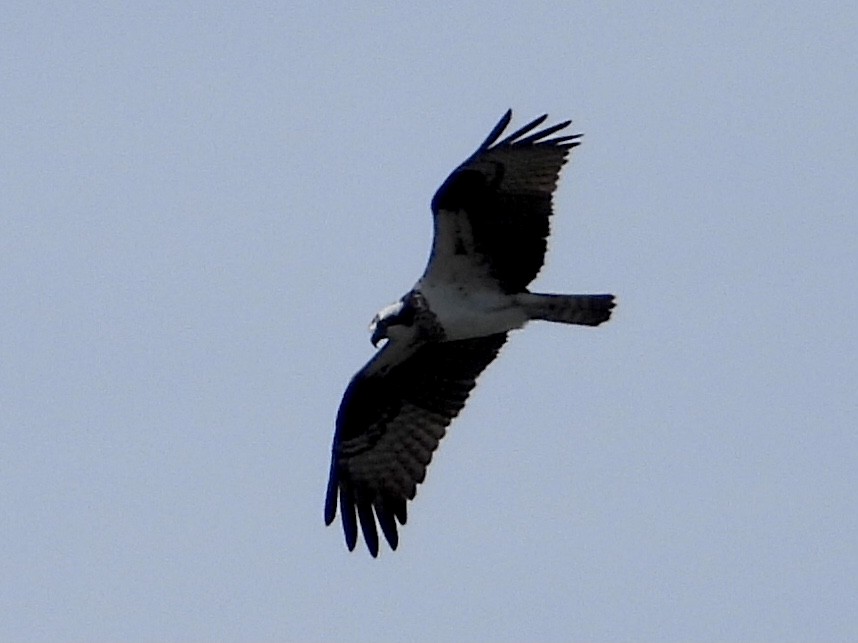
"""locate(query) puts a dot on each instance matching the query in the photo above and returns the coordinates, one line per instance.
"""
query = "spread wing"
(388, 426)
(492, 213)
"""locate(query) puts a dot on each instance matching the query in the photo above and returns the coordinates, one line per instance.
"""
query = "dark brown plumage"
(388, 427)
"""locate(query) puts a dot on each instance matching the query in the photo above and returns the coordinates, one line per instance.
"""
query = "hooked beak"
(379, 332)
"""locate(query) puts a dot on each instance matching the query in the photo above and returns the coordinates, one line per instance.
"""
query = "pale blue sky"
(203, 205)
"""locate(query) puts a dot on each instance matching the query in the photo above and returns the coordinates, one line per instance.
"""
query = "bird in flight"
(491, 220)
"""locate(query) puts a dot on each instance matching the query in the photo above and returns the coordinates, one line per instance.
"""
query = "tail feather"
(585, 310)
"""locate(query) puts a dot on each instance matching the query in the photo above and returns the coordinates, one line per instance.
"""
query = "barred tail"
(586, 310)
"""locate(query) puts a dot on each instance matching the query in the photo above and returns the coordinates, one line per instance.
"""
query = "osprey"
(491, 224)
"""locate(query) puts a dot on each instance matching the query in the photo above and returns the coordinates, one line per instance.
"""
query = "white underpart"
(458, 288)
(465, 313)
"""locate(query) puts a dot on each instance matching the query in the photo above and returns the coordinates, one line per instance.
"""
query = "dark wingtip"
(400, 511)
(331, 495)
(537, 137)
(385, 510)
(524, 129)
(496, 131)
(367, 524)
(372, 546)
(347, 515)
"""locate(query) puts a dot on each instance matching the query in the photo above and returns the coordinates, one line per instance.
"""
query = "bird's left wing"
(388, 426)
(492, 213)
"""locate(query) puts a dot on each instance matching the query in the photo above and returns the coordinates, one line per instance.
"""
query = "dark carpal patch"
(461, 191)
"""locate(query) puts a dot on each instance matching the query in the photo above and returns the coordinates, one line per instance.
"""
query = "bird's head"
(391, 322)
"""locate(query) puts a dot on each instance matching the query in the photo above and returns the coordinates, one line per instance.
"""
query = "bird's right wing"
(388, 426)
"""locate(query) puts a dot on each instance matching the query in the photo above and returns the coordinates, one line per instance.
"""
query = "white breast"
(466, 313)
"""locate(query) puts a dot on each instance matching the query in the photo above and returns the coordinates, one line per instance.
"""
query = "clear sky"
(202, 205)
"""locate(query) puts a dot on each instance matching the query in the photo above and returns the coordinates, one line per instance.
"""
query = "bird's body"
(491, 225)
(465, 314)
